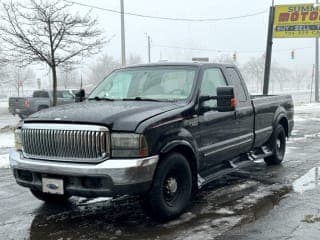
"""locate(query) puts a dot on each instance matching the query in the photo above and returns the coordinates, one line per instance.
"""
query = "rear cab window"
(236, 81)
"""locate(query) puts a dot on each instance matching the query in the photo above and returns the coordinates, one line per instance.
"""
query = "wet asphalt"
(252, 203)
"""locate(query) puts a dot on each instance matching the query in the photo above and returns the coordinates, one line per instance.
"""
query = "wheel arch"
(188, 151)
(282, 119)
(42, 106)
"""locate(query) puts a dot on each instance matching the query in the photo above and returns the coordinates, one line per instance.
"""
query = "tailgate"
(17, 102)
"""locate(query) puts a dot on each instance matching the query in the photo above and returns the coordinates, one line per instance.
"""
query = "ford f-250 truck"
(160, 131)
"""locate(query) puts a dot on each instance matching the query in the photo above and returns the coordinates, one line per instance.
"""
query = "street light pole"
(123, 41)
(149, 49)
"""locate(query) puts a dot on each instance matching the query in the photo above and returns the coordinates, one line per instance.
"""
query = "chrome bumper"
(120, 171)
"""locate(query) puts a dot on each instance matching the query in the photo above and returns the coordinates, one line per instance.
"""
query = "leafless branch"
(47, 31)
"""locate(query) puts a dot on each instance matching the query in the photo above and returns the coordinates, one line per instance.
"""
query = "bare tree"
(102, 67)
(67, 74)
(47, 31)
(253, 74)
(301, 79)
(134, 59)
(224, 58)
(106, 64)
(22, 76)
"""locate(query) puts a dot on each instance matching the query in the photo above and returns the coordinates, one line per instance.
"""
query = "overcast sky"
(246, 36)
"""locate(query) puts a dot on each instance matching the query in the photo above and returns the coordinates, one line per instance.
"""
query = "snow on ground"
(309, 107)
(4, 161)
(6, 144)
(6, 140)
(7, 120)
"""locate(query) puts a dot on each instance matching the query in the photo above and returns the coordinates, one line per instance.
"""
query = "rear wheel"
(49, 198)
(171, 190)
(277, 143)
(42, 107)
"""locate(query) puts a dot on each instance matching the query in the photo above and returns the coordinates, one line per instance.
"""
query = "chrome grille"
(66, 142)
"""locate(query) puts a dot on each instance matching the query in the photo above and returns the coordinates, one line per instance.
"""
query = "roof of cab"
(180, 64)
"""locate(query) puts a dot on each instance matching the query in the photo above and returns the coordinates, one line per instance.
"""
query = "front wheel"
(22, 116)
(171, 190)
(49, 198)
(278, 145)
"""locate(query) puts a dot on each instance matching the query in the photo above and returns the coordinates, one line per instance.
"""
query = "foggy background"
(172, 40)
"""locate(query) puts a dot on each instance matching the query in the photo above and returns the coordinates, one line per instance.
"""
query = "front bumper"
(109, 178)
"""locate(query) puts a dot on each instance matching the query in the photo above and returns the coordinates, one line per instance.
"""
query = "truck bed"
(266, 107)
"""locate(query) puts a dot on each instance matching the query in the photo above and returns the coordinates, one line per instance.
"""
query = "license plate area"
(52, 185)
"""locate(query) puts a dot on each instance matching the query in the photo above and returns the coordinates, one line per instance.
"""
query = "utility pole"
(123, 41)
(149, 49)
(316, 88)
(267, 65)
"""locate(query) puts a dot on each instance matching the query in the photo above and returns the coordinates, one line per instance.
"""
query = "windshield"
(163, 84)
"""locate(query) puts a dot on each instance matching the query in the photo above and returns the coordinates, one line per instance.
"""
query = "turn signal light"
(27, 103)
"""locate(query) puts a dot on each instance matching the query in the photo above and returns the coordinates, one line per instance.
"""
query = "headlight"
(17, 139)
(128, 145)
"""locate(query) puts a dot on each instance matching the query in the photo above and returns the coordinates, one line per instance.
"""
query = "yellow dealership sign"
(296, 21)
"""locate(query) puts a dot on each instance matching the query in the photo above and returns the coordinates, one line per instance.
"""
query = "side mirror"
(226, 101)
(80, 96)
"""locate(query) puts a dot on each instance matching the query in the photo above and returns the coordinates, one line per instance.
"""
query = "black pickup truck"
(161, 131)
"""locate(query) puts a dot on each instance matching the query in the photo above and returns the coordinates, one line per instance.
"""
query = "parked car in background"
(41, 99)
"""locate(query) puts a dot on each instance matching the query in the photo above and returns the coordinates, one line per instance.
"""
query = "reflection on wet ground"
(222, 204)
(308, 181)
(230, 201)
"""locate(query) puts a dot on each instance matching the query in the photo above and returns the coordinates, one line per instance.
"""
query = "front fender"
(175, 143)
(177, 138)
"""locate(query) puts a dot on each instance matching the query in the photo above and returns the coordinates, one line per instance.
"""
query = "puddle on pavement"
(218, 207)
(308, 181)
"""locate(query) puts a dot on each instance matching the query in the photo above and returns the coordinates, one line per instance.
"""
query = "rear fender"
(279, 115)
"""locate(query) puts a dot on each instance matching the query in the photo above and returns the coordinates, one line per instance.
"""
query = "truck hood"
(117, 115)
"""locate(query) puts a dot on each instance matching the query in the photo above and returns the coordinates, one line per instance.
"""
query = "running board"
(259, 153)
(235, 164)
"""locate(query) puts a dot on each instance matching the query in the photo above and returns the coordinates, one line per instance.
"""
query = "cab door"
(218, 130)
(244, 110)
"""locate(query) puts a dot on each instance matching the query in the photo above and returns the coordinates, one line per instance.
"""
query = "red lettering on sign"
(313, 16)
(284, 17)
(294, 16)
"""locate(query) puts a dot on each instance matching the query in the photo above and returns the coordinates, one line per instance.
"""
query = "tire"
(49, 198)
(42, 107)
(171, 190)
(22, 116)
(277, 144)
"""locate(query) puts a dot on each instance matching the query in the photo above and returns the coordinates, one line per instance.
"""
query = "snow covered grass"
(4, 161)
(6, 140)
(6, 143)
(309, 107)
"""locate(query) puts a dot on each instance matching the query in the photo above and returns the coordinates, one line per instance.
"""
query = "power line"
(225, 51)
(170, 18)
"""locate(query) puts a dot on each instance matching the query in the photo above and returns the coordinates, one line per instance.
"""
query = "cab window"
(212, 79)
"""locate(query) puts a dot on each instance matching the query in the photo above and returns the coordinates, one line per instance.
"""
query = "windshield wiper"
(141, 99)
(99, 99)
